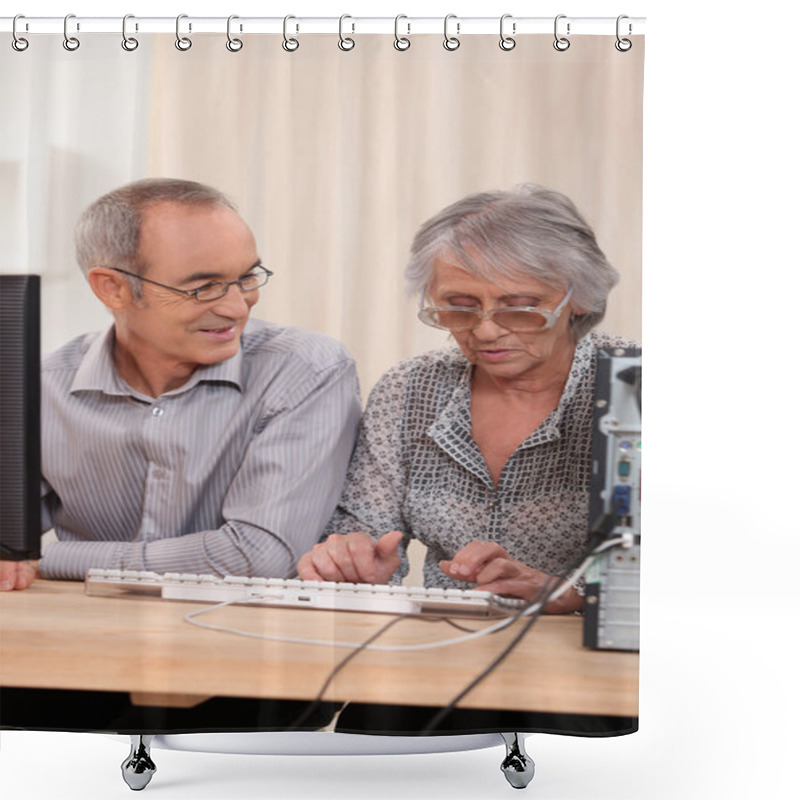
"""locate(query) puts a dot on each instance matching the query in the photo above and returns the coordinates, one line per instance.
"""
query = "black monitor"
(20, 451)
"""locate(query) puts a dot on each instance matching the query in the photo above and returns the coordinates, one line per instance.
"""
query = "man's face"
(186, 247)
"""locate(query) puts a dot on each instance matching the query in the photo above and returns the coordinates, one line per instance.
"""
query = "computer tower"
(611, 608)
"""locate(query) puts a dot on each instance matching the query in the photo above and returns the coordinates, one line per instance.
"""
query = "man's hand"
(17, 574)
(492, 569)
(353, 558)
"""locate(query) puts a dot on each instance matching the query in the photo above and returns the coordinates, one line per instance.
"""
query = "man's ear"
(110, 287)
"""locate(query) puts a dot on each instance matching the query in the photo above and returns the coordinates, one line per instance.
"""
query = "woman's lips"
(494, 355)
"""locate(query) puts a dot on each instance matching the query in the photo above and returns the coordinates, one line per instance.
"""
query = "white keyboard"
(300, 594)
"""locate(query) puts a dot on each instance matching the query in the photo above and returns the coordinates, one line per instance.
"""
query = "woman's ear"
(110, 287)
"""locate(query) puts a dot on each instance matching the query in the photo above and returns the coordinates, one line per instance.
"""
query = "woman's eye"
(522, 302)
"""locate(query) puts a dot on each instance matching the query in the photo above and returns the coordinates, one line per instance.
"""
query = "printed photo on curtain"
(339, 386)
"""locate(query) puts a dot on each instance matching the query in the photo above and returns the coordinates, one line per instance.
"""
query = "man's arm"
(284, 492)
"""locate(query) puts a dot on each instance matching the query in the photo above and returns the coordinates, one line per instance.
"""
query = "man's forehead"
(196, 238)
(162, 221)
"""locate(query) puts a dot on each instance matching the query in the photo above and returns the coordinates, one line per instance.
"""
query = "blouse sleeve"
(375, 488)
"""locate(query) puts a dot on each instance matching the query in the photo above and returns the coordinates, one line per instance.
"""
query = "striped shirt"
(236, 472)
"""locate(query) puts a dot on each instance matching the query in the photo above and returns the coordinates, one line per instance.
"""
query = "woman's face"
(501, 353)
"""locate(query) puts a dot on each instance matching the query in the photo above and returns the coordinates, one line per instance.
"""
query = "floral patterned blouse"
(416, 467)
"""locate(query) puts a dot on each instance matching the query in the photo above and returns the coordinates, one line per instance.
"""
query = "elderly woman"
(482, 451)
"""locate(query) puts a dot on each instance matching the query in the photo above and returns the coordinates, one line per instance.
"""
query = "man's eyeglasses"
(522, 319)
(257, 277)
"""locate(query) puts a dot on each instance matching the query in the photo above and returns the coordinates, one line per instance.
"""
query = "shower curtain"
(335, 149)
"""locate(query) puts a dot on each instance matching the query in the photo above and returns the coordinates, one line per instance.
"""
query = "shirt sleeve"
(48, 499)
(276, 508)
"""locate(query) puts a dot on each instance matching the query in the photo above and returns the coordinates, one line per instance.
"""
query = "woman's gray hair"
(533, 231)
(108, 231)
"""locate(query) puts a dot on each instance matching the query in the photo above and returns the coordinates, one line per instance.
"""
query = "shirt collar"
(97, 372)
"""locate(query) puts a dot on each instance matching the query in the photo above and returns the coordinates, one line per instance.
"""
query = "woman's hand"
(492, 569)
(354, 558)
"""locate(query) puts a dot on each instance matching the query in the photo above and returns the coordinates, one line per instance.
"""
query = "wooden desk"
(54, 636)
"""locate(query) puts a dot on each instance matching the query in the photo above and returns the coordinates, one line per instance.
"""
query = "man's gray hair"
(108, 231)
(533, 231)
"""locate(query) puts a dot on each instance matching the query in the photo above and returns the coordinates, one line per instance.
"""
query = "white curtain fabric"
(334, 158)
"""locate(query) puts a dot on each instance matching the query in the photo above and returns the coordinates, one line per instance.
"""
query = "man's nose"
(235, 302)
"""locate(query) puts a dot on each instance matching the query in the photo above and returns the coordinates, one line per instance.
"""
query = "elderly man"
(187, 437)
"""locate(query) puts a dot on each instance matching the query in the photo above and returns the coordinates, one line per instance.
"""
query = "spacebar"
(335, 601)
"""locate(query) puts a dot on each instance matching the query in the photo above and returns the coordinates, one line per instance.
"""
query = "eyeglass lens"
(254, 280)
(510, 318)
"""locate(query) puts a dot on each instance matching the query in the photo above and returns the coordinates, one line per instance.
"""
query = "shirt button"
(157, 411)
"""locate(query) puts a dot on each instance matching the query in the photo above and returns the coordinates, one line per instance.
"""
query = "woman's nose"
(487, 329)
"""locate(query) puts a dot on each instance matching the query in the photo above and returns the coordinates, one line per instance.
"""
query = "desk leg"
(138, 768)
(517, 766)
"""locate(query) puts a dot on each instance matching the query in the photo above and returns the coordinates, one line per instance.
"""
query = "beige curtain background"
(334, 158)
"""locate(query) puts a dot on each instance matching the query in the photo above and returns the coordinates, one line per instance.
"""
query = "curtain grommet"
(346, 43)
(70, 43)
(129, 43)
(561, 43)
(233, 44)
(182, 43)
(451, 43)
(507, 43)
(623, 45)
(401, 43)
(19, 43)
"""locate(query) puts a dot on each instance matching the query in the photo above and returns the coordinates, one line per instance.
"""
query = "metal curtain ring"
(507, 42)
(233, 44)
(17, 42)
(345, 42)
(289, 44)
(183, 43)
(70, 42)
(623, 45)
(560, 42)
(451, 42)
(401, 42)
(128, 42)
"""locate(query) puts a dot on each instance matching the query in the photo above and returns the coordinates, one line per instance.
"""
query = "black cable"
(317, 701)
(453, 624)
(443, 712)
(542, 597)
